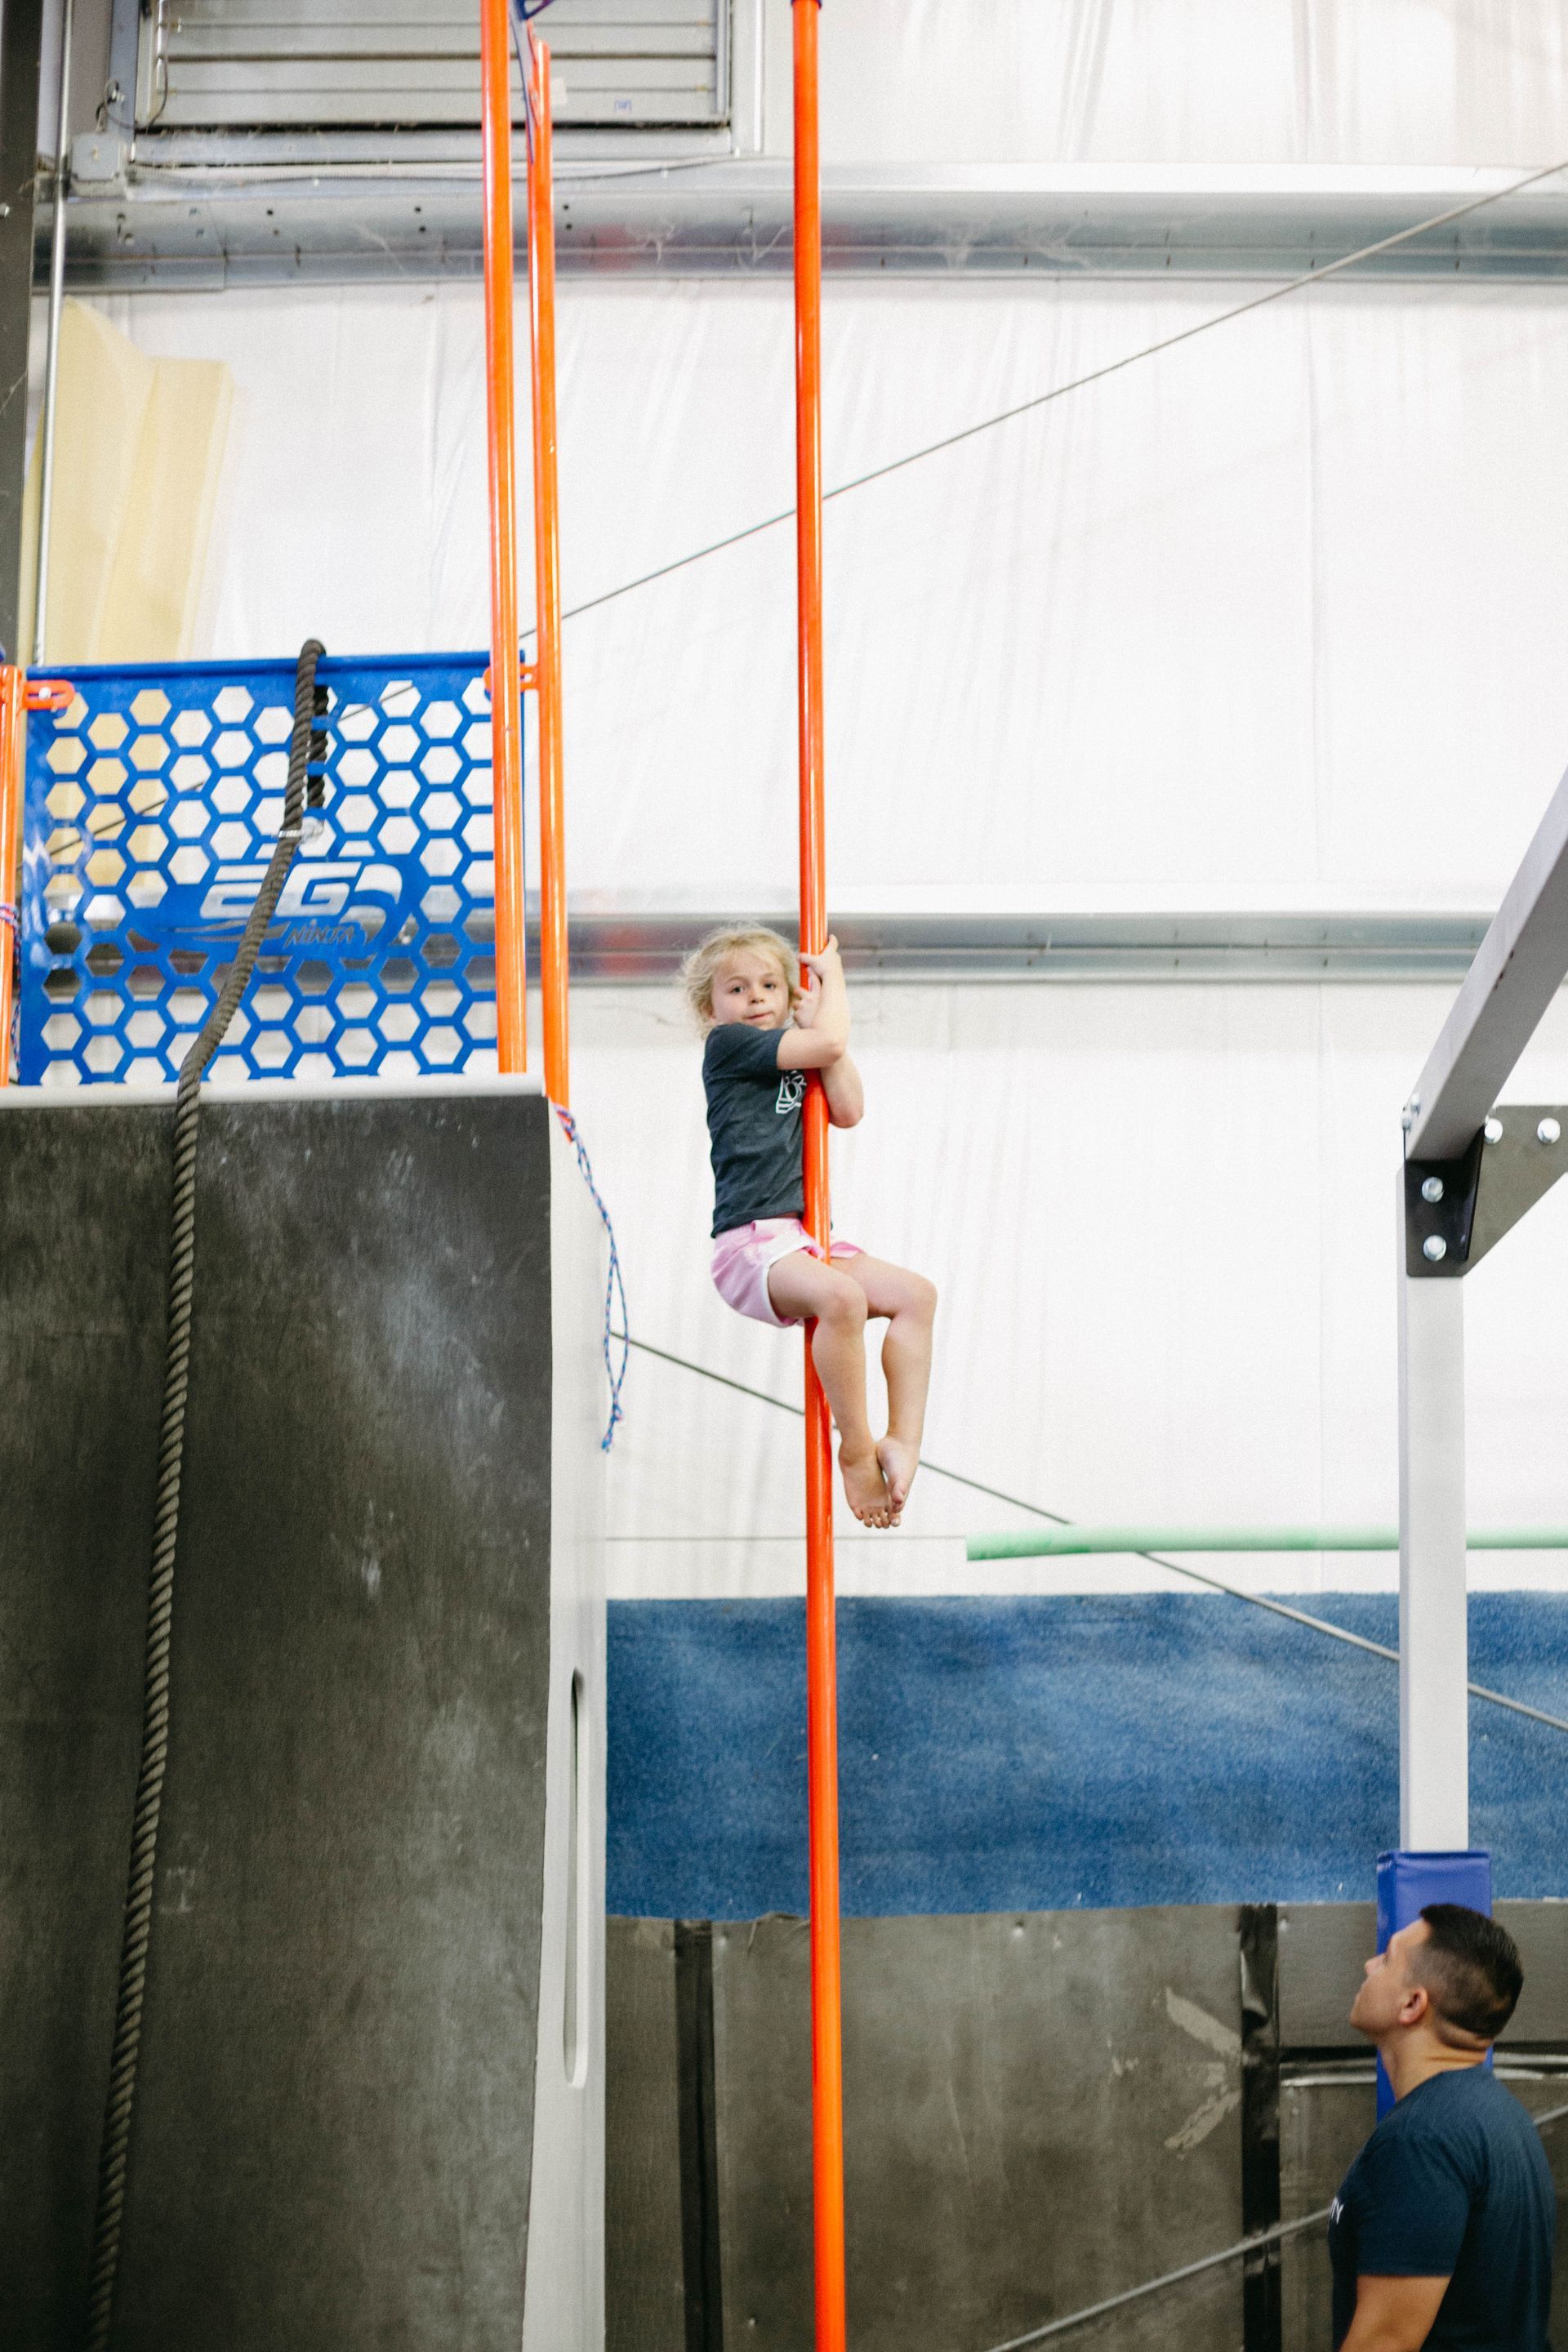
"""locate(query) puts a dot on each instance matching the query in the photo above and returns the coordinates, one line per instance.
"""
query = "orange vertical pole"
(13, 687)
(822, 1679)
(506, 715)
(554, 971)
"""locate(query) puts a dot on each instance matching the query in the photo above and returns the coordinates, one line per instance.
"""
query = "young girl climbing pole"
(763, 1037)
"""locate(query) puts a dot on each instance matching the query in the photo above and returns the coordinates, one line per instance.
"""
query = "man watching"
(1442, 2232)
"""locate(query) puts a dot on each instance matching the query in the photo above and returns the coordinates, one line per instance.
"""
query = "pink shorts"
(742, 1259)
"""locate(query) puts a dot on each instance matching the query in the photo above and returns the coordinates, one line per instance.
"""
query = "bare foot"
(863, 1487)
(900, 1462)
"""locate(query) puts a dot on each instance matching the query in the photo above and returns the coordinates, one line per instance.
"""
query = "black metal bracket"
(1439, 1213)
(1511, 1163)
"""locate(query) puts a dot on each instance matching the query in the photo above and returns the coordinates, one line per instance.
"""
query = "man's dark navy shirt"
(1454, 2183)
(754, 1123)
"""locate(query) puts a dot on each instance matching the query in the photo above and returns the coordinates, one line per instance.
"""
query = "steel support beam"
(636, 936)
(215, 208)
(1434, 1647)
(1518, 970)
(21, 40)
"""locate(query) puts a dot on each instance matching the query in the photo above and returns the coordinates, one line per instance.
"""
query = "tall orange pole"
(13, 688)
(500, 400)
(821, 1666)
(553, 967)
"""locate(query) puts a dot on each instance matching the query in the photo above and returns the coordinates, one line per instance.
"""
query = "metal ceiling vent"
(267, 65)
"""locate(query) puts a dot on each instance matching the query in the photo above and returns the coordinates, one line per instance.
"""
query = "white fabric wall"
(1274, 620)
(1180, 82)
(1277, 621)
(1162, 1219)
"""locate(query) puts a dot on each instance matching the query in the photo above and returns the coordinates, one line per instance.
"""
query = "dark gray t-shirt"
(753, 1125)
(1454, 2183)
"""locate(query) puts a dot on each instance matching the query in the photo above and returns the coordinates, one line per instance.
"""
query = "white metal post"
(1516, 973)
(1434, 1641)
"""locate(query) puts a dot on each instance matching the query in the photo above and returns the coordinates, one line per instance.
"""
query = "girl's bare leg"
(802, 1286)
(909, 1301)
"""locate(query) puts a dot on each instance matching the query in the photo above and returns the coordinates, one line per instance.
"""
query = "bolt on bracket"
(1522, 1157)
(1457, 1210)
(1439, 1213)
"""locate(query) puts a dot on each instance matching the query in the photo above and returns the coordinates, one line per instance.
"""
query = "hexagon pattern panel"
(151, 806)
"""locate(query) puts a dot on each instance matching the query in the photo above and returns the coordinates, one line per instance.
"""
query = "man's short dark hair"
(1470, 1968)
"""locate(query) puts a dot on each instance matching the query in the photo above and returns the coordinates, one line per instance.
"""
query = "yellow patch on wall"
(139, 447)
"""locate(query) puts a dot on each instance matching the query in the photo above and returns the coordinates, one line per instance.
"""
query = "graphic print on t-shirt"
(756, 1113)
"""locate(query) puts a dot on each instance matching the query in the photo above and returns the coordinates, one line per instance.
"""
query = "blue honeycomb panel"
(151, 806)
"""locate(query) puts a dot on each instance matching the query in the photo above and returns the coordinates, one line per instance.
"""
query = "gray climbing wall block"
(370, 2108)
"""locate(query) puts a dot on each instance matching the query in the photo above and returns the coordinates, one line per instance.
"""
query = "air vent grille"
(271, 65)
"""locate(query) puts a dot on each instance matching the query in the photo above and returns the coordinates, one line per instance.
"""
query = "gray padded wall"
(1041, 2109)
(1034, 2104)
(360, 1898)
(972, 2120)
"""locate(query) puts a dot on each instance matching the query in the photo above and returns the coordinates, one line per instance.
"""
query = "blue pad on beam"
(1407, 1883)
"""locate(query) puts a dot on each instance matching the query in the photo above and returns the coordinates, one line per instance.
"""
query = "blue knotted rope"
(615, 1288)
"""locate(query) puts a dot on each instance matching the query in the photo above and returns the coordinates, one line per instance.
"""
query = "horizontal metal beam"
(277, 208)
(638, 944)
(1518, 970)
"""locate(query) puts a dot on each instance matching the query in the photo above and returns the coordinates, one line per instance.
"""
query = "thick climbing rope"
(306, 749)
(1258, 2243)
(614, 1288)
(1156, 1559)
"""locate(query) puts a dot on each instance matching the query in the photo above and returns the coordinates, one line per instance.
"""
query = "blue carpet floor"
(1038, 1754)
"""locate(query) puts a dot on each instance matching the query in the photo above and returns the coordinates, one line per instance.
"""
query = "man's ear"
(1414, 2004)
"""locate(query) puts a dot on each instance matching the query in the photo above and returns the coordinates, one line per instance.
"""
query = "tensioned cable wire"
(1076, 384)
(1243, 2247)
(1155, 1559)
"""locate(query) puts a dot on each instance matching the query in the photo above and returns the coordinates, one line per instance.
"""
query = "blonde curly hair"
(701, 966)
